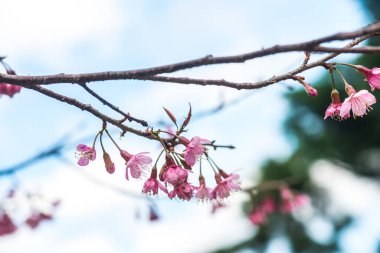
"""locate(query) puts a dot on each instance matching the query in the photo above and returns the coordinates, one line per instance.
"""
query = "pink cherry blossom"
(183, 191)
(175, 175)
(137, 163)
(86, 154)
(36, 218)
(291, 201)
(153, 216)
(257, 217)
(268, 205)
(194, 148)
(333, 111)
(152, 186)
(301, 200)
(372, 76)
(203, 192)
(225, 186)
(9, 89)
(6, 225)
(359, 102)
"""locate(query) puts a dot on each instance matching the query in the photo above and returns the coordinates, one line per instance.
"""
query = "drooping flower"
(225, 186)
(359, 102)
(194, 148)
(372, 76)
(333, 111)
(9, 89)
(175, 175)
(152, 184)
(291, 201)
(183, 191)
(86, 154)
(6, 88)
(137, 163)
(257, 217)
(268, 205)
(36, 218)
(6, 225)
(153, 216)
(110, 166)
(203, 192)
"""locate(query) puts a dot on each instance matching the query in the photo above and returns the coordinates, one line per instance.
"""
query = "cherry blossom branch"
(256, 85)
(309, 46)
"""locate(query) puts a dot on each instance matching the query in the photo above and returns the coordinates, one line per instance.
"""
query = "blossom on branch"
(9, 89)
(152, 184)
(333, 111)
(225, 186)
(372, 76)
(86, 154)
(137, 163)
(194, 148)
(359, 102)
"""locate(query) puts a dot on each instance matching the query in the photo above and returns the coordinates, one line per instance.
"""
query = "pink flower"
(153, 216)
(175, 175)
(268, 205)
(6, 225)
(9, 89)
(86, 154)
(333, 111)
(286, 193)
(360, 102)
(203, 192)
(372, 76)
(194, 148)
(291, 201)
(300, 200)
(36, 218)
(183, 191)
(152, 185)
(258, 217)
(137, 163)
(225, 186)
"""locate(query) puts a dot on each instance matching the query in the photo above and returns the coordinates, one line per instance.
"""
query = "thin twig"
(115, 108)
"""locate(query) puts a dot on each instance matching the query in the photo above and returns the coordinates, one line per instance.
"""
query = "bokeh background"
(279, 131)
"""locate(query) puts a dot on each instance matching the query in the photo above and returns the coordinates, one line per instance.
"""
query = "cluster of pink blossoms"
(358, 102)
(35, 216)
(289, 202)
(172, 179)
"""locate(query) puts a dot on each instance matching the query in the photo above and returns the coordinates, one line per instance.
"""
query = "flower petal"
(345, 109)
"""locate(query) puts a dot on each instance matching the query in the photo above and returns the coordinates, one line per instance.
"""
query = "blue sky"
(47, 37)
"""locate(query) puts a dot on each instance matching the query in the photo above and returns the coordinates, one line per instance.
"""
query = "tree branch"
(92, 110)
(310, 46)
(105, 102)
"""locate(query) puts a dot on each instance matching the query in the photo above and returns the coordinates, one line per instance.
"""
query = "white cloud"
(52, 31)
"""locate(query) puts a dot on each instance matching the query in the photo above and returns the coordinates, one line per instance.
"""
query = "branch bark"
(310, 46)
